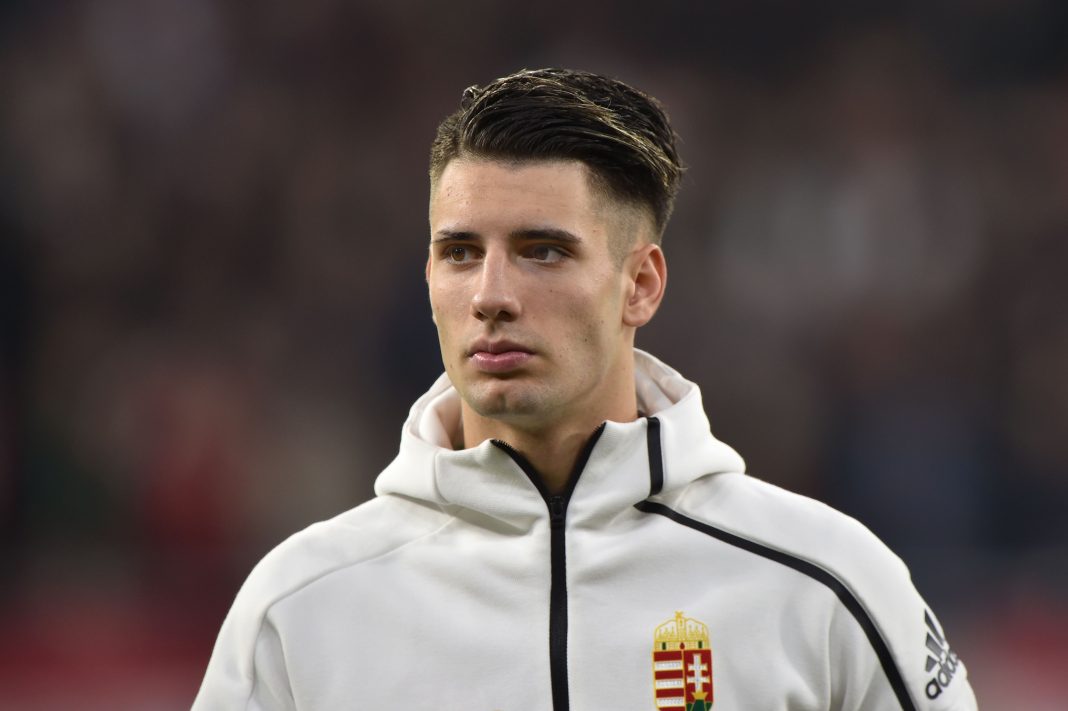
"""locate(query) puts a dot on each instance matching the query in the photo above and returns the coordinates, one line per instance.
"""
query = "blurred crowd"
(213, 317)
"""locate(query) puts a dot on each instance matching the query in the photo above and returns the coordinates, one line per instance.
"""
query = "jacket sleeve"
(882, 648)
(915, 669)
(889, 651)
(247, 670)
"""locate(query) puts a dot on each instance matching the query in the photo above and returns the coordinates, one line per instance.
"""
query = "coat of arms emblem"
(682, 665)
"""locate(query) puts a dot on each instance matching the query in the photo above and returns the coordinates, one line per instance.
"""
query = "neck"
(552, 456)
(552, 447)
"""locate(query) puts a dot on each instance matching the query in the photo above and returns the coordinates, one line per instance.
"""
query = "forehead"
(484, 197)
(472, 187)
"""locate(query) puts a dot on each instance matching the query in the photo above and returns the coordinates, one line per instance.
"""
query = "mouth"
(497, 347)
(499, 356)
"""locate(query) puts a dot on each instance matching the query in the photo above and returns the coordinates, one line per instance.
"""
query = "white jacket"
(666, 579)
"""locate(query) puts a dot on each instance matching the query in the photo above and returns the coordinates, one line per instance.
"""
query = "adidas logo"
(940, 657)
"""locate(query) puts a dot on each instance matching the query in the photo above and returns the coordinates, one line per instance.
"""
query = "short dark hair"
(621, 134)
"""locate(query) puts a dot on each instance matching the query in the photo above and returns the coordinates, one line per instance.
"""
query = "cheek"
(443, 303)
(442, 319)
(591, 319)
(606, 304)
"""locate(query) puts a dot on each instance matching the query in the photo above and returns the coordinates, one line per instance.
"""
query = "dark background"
(213, 317)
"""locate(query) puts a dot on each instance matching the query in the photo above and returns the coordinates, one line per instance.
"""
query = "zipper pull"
(557, 507)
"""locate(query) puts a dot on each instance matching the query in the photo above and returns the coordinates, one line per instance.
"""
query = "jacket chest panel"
(459, 629)
(767, 626)
(761, 652)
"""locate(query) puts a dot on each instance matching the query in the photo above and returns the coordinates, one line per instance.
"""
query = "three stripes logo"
(941, 660)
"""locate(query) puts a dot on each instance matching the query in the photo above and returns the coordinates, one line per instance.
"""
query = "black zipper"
(557, 504)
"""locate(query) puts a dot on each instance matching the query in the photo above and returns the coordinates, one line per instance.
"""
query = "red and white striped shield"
(682, 665)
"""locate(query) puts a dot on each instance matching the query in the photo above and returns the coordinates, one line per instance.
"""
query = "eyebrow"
(554, 234)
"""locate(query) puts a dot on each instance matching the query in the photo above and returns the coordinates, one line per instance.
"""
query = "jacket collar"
(620, 472)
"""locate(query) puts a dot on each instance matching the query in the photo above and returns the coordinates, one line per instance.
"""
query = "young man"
(560, 530)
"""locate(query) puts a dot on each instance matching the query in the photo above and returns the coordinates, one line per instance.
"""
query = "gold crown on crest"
(681, 633)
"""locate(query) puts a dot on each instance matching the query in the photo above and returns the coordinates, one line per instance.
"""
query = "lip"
(499, 356)
(497, 347)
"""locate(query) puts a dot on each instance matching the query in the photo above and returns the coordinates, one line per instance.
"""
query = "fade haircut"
(622, 135)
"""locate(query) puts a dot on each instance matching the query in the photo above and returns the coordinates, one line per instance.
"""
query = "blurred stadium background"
(213, 319)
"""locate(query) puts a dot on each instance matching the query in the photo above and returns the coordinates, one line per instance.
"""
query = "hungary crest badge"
(682, 665)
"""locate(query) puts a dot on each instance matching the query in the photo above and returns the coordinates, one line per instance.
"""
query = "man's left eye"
(545, 253)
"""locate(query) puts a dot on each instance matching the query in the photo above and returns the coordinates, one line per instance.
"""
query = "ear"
(646, 271)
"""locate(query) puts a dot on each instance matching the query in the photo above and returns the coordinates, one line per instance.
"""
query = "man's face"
(527, 296)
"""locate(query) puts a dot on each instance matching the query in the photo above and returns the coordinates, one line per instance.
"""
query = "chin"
(503, 401)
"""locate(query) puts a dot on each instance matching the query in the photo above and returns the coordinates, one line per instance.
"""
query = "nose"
(496, 298)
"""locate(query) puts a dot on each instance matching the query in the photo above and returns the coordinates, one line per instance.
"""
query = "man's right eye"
(457, 253)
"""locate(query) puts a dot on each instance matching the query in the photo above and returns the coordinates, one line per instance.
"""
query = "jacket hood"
(617, 475)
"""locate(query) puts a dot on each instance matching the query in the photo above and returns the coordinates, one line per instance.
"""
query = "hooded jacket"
(664, 577)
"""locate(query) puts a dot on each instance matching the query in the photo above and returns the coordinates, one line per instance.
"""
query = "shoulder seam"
(311, 581)
(844, 594)
(350, 564)
(255, 678)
